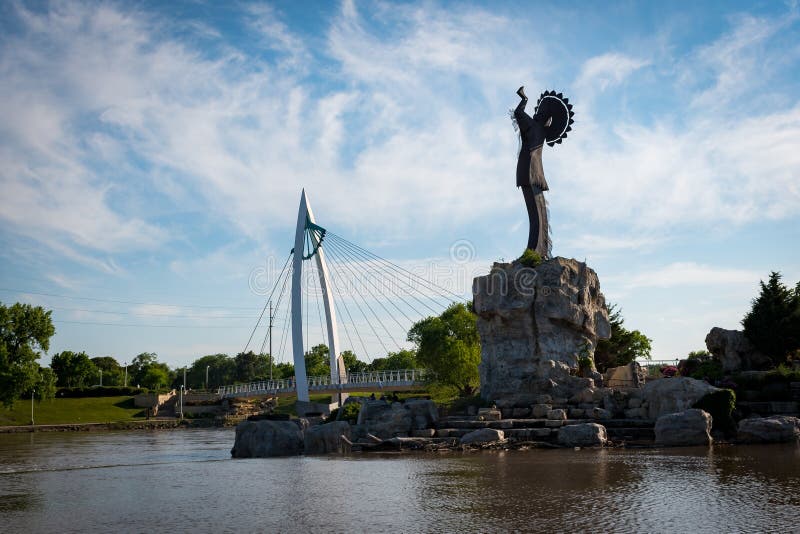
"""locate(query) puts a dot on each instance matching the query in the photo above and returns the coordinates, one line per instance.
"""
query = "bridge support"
(338, 372)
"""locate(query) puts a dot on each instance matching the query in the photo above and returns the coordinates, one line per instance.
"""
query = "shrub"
(710, 370)
(348, 412)
(720, 405)
(530, 258)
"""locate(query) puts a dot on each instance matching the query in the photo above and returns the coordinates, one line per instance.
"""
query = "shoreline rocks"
(690, 427)
(775, 429)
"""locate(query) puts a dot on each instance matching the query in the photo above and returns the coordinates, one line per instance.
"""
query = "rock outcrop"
(734, 351)
(775, 429)
(690, 427)
(670, 395)
(386, 420)
(534, 324)
(582, 435)
(264, 438)
(483, 435)
(322, 439)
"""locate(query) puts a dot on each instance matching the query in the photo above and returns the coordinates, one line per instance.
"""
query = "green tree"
(24, 330)
(352, 363)
(113, 374)
(221, 371)
(773, 322)
(623, 347)
(73, 369)
(147, 371)
(283, 370)
(403, 359)
(251, 366)
(156, 376)
(449, 346)
(45, 385)
(317, 363)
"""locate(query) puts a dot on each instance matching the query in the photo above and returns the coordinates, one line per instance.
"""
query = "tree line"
(446, 345)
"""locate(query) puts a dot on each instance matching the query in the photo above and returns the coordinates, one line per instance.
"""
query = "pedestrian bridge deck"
(393, 380)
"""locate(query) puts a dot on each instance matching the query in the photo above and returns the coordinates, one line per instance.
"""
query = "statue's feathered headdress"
(556, 106)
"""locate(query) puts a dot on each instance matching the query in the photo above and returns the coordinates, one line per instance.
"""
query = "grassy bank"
(68, 411)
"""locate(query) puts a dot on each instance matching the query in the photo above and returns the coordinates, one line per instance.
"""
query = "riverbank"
(152, 424)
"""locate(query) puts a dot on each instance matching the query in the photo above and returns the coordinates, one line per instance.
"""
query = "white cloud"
(681, 274)
(607, 70)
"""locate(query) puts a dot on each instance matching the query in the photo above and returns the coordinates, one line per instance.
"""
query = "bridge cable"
(347, 256)
(365, 316)
(376, 299)
(390, 288)
(277, 306)
(401, 277)
(267, 303)
(429, 283)
(347, 310)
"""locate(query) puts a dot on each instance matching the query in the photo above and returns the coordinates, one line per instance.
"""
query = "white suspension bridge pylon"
(389, 293)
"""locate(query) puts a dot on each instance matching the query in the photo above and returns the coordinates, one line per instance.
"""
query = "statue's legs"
(538, 239)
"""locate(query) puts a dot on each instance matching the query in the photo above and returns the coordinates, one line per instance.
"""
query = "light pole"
(126, 373)
(207, 368)
(182, 401)
(32, 392)
(101, 377)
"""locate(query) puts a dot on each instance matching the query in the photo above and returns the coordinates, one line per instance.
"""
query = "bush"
(100, 391)
(530, 258)
(349, 412)
(720, 405)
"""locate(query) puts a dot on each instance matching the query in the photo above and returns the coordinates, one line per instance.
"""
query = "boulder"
(557, 415)
(775, 429)
(734, 351)
(600, 413)
(424, 413)
(489, 414)
(671, 395)
(689, 427)
(385, 420)
(483, 435)
(631, 376)
(539, 411)
(534, 323)
(322, 439)
(262, 439)
(582, 435)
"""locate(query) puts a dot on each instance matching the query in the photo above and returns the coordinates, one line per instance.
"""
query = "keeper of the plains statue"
(552, 119)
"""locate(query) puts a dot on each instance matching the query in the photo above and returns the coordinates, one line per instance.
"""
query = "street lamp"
(32, 392)
(101, 377)
(207, 368)
(126, 373)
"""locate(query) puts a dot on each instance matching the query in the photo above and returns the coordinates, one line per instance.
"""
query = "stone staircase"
(631, 432)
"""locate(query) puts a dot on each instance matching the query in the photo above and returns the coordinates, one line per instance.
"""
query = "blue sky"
(152, 154)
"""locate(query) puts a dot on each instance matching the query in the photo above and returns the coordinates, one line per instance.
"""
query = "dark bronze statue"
(550, 123)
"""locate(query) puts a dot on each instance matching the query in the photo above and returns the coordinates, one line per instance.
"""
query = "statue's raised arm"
(551, 121)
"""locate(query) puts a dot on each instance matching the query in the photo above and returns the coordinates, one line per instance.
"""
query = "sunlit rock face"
(534, 324)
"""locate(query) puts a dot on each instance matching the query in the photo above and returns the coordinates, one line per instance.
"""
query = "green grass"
(69, 411)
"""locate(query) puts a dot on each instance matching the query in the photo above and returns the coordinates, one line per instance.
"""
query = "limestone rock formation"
(734, 351)
(582, 435)
(670, 395)
(775, 429)
(482, 435)
(386, 420)
(322, 439)
(534, 324)
(264, 438)
(690, 427)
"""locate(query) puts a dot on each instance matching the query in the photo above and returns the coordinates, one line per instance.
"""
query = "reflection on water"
(185, 480)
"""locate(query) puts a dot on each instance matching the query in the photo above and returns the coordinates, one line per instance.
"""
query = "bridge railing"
(378, 378)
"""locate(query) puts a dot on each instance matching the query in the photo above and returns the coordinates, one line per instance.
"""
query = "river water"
(185, 480)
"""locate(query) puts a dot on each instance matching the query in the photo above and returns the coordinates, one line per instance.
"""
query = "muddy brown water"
(185, 480)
